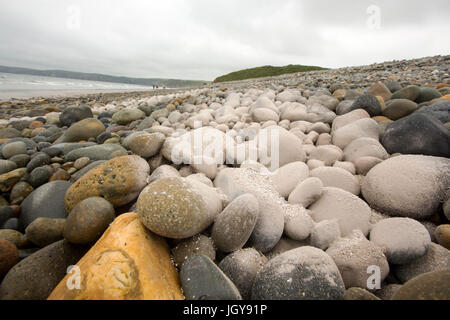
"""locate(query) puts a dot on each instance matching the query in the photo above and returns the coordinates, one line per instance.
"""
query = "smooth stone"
(45, 231)
(407, 186)
(83, 130)
(418, 133)
(369, 103)
(205, 165)
(21, 160)
(364, 147)
(14, 236)
(399, 108)
(353, 116)
(88, 220)
(428, 286)
(346, 165)
(364, 164)
(9, 257)
(409, 92)
(329, 154)
(241, 268)
(178, 208)
(8, 133)
(163, 172)
(67, 147)
(270, 224)
(146, 145)
(262, 115)
(40, 159)
(80, 163)
(39, 176)
(351, 212)
(50, 263)
(77, 175)
(118, 181)
(289, 176)
(298, 223)
(94, 153)
(306, 192)
(442, 234)
(387, 291)
(354, 255)
(47, 201)
(305, 273)
(325, 233)
(127, 263)
(13, 149)
(337, 178)
(126, 116)
(380, 89)
(428, 94)
(437, 258)
(359, 294)
(8, 180)
(7, 166)
(234, 225)
(198, 244)
(440, 111)
(74, 114)
(363, 128)
(405, 239)
(393, 86)
(201, 279)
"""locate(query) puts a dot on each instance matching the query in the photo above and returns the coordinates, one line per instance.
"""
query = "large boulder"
(418, 133)
(127, 263)
(305, 273)
(407, 186)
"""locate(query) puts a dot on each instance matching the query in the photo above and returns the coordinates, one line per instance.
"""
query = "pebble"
(178, 208)
(95, 153)
(13, 149)
(118, 181)
(369, 103)
(351, 212)
(198, 244)
(39, 176)
(234, 225)
(359, 294)
(325, 233)
(442, 234)
(241, 267)
(363, 128)
(15, 237)
(364, 147)
(399, 108)
(74, 114)
(126, 116)
(428, 286)
(306, 192)
(305, 273)
(409, 92)
(337, 178)
(7, 166)
(83, 130)
(289, 176)
(201, 279)
(82, 162)
(50, 263)
(354, 255)
(405, 239)
(88, 220)
(20, 191)
(437, 258)
(47, 201)
(45, 231)
(9, 256)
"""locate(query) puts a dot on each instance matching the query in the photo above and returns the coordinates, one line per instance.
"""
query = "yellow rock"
(127, 263)
(382, 103)
(381, 119)
(8, 180)
(339, 94)
(443, 85)
(446, 97)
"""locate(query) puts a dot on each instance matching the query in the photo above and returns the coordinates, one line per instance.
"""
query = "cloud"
(200, 39)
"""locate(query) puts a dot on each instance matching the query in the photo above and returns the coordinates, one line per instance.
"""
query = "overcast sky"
(203, 39)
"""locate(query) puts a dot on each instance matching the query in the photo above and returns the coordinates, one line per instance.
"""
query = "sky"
(204, 39)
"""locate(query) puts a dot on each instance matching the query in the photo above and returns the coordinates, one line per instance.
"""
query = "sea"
(27, 86)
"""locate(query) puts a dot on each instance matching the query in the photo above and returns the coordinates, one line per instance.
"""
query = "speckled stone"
(119, 181)
(178, 208)
(9, 256)
(45, 231)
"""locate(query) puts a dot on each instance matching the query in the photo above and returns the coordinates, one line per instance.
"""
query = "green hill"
(265, 71)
